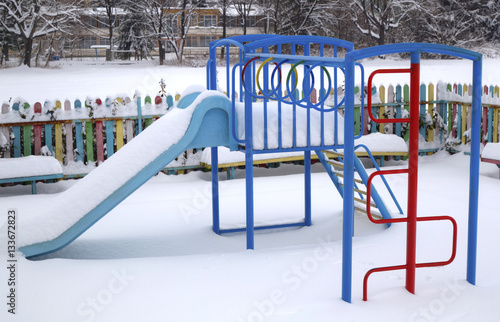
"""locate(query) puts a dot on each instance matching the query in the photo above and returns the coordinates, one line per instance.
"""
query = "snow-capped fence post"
(110, 147)
(37, 130)
(26, 132)
(484, 126)
(389, 128)
(373, 125)
(80, 154)
(68, 127)
(381, 109)
(423, 110)
(16, 130)
(430, 111)
(99, 137)
(4, 130)
(139, 115)
(58, 136)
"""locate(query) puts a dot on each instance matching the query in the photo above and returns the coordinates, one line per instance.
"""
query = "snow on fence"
(88, 132)
(93, 130)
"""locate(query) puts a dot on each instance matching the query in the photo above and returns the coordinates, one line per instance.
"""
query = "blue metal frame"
(33, 180)
(415, 49)
(250, 47)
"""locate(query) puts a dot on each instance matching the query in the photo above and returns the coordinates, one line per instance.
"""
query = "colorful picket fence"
(72, 131)
(92, 130)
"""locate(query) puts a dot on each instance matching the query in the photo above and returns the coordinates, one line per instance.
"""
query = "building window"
(191, 41)
(233, 22)
(104, 41)
(205, 40)
(208, 21)
(86, 42)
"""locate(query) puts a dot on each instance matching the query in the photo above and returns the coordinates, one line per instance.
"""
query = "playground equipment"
(260, 117)
(271, 49)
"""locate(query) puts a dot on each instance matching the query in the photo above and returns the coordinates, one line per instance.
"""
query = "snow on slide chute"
(203, 123)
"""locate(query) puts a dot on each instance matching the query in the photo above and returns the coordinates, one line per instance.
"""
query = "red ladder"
(412, 171)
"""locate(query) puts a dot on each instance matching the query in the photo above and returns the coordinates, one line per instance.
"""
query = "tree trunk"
(381, 39)
(161, 51)
(224, 32)
(28, 48)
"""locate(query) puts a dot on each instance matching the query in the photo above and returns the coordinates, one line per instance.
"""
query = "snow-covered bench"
(29, 169)
(491, 153)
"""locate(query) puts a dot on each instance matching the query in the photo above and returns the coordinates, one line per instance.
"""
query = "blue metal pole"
(215, 191)
(348, 220)
(474, 171)
(249, 160)
(307, 187)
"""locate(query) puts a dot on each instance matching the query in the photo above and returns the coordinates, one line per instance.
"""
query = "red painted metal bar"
(411, 230)
(369, 191)
(454, 243)
(369, 96)
(419, 265)
(374, 270)
(412, 171)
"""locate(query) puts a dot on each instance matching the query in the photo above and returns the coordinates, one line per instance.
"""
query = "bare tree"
(179, 21)
(244, 10)
(376, 17)
(109, 19)
(31, 19)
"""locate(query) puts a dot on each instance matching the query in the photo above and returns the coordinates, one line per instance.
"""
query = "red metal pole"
(411, 235)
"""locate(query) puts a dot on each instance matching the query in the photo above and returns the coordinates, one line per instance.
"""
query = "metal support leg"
(307, 186)
(215, 191)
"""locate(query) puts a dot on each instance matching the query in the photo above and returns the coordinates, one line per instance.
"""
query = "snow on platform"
(491, 151)
(31, 166)
(377, 143)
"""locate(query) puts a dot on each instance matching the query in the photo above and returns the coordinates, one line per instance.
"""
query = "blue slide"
(210, 126)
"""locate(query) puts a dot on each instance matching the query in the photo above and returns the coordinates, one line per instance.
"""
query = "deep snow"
(155, 258)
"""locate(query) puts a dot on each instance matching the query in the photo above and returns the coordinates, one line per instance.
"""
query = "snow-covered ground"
(79, 79)
(155, 257)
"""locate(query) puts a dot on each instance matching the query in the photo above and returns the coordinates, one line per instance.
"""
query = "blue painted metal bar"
(32, 178)
(359, 166)
(266, 90)
(249, 165)
(348, 201)
(307, 187)
(215, 190)
(362, 105)
(474, 171)
(228, 63)
(237, 230)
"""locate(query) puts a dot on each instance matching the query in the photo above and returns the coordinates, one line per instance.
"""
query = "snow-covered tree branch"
(30, 19)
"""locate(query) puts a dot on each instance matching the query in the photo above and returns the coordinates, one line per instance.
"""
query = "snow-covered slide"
(199, 120)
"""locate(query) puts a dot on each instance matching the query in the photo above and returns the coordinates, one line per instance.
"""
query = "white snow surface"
(29, 167)
(376, 142)
(287, 126)
(67, 208)
(226, 156)
(491, 151)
